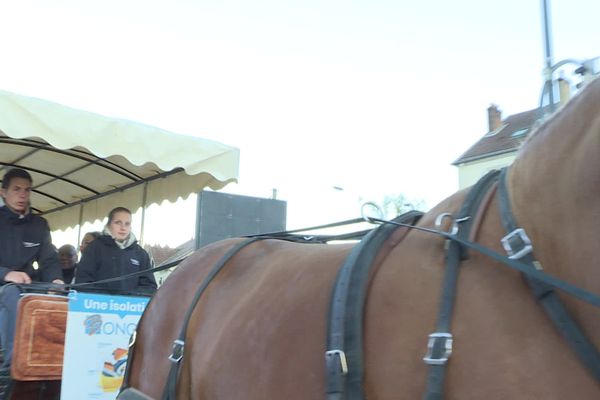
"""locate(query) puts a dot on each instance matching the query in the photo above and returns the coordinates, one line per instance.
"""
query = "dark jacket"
(69, 274)
(23, 240)
(103, 259)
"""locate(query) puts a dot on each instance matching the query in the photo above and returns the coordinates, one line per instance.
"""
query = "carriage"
(72, 345)
(83, 165)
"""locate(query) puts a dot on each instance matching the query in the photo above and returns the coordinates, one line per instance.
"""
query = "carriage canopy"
(83, 163)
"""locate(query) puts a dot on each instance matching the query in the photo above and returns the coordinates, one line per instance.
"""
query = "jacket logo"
(30, 244)
(134, 261)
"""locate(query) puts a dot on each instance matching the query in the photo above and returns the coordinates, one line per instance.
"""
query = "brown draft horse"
(259, 330)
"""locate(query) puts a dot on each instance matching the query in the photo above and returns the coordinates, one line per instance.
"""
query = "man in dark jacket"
(24, 240)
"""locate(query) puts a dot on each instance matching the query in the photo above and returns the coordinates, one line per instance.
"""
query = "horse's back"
(259, 328)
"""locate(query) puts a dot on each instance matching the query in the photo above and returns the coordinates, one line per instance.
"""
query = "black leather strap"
(344, 356)
(130, 355)
(132, 394)
(441, 339)
(170, 392)
(585, 350)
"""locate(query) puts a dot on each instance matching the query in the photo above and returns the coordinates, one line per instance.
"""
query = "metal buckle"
(453, 230)
(342, 357)
(177, 353)
(518, 237)
(132, 339)
(368, 208)
(433, 338)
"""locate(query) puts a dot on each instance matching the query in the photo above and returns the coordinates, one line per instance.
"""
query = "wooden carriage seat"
(39, 337)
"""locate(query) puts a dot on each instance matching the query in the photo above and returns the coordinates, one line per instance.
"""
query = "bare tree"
(396, 204)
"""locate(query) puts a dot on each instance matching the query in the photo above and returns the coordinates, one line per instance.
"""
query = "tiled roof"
(503, 140)
(182, 251)
(164, 255)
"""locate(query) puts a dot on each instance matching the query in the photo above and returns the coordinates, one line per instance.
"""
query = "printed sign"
(98, 331)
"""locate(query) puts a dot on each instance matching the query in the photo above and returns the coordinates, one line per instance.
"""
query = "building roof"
(506, 139)
(182, 251)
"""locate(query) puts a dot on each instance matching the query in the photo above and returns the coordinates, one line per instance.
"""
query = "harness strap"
(555, 309)
(515, 264)
(290, 236)
(344, 355)
(132, 394)
(130, 354)
(170, 392)
(440, 342)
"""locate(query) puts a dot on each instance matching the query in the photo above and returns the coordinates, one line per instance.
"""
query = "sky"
(375, 97)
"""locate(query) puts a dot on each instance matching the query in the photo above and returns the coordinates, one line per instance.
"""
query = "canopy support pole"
(144, 199)
(79, 226)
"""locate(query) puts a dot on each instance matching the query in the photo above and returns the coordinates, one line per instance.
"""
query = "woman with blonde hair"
(116, 253)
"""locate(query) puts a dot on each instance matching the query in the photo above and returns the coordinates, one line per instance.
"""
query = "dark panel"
(221, 216)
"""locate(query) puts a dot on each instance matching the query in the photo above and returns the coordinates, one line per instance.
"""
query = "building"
(499, 146)
(167, 255)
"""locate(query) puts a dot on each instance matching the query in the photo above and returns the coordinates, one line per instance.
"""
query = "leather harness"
(170, 391)
(344, 378)
(344, 355)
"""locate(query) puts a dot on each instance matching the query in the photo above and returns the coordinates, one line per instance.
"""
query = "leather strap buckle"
(177, 353)
(517, 244)
(434, 345)
(342, 359)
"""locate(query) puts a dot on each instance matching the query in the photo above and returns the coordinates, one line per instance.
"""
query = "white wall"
(469, 173)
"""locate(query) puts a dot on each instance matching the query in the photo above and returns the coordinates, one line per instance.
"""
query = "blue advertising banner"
(98, 331)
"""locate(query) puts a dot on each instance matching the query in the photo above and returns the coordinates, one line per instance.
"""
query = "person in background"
(88, 238)
(24, 239)
(67, 255)
(116, 253)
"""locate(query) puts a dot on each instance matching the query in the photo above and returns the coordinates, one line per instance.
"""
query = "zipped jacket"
(25, 239)
(104, 259)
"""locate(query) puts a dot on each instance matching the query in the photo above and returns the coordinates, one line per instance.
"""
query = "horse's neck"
(554, 188)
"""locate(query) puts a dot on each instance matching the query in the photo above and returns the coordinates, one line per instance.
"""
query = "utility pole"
(548, 53)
